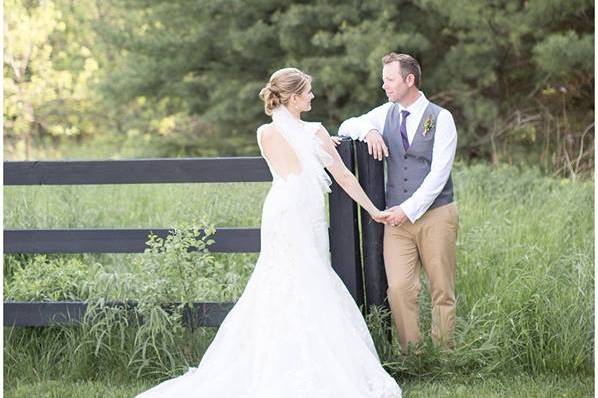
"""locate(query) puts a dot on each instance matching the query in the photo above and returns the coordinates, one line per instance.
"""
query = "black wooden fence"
(345, 244)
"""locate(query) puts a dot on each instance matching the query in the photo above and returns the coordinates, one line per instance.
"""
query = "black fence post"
(371, 178)
(344, 231)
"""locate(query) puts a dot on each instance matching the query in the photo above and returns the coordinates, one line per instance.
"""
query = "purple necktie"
(403, 129)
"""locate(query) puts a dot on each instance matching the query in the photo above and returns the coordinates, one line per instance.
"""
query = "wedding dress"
(295, 332)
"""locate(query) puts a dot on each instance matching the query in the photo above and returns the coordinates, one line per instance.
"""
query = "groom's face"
(393, 83)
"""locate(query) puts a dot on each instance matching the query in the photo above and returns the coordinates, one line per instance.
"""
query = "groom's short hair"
(408, 65)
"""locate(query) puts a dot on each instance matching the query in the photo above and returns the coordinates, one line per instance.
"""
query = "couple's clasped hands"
(393, 216)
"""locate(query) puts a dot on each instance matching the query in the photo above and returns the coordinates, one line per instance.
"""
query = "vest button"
(405, 156)
(405, 167)
(404, 179)
(404, 190)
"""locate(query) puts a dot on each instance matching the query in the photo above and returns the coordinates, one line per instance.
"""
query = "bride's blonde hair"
(282, 85)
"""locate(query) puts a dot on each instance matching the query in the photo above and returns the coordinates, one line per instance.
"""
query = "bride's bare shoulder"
(270, 136)
(317, 127)
(268, 131)
(320, 131)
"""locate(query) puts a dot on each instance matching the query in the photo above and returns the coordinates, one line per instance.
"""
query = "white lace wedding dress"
(295, 332)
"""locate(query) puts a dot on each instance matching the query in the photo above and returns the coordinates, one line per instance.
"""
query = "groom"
(418, 140)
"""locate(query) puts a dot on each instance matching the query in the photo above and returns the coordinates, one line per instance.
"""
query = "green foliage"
(51, 65)
(148, 340)
(49, 279)
(570, 50)
(486, 62)
(171, 270)
(154, 78)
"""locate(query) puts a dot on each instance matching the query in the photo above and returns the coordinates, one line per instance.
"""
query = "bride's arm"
(344, 177)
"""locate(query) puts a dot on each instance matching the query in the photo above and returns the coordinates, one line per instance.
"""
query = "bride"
(295, 332)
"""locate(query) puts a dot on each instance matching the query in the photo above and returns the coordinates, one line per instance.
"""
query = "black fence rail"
(227, 240)
(27, 313)
(136, 171)
(345, 243)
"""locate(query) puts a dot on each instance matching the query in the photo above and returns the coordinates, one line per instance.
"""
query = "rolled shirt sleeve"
(443, 155)
(357, 127)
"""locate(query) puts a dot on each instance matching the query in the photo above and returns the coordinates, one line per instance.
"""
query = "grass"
(512, 386)
(525, 288)
(133, 206)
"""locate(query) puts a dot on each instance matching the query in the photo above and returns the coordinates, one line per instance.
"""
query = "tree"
(48, 71)
(183, 77)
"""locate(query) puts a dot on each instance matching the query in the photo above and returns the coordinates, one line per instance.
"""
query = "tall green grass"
(525, 278)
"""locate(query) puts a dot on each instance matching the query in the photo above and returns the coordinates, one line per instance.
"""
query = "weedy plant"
(146, 336)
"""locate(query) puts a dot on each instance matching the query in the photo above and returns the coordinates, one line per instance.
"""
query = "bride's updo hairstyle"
(282, 85)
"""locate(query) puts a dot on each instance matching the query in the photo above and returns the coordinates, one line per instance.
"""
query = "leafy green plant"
(152, 336)
(44, 278)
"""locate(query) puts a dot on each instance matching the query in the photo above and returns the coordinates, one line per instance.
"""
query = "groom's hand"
(376, 145)
(380, 217)
(396, 216)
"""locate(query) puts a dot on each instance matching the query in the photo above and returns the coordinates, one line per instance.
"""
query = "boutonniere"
(428, 125)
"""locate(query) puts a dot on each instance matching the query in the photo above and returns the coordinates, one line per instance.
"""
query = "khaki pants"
(431, 241)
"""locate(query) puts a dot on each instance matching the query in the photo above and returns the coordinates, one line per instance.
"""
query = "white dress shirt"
(443, 151)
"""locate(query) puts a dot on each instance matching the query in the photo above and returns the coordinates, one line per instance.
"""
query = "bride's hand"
(336, 139)
(380, 216)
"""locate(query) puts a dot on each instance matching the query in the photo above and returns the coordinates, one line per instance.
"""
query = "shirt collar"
(417, 106)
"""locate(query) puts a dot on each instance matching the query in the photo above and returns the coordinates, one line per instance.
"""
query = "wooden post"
(344, 231)
(371, 178)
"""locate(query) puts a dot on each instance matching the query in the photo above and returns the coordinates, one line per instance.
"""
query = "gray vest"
(407, 169)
